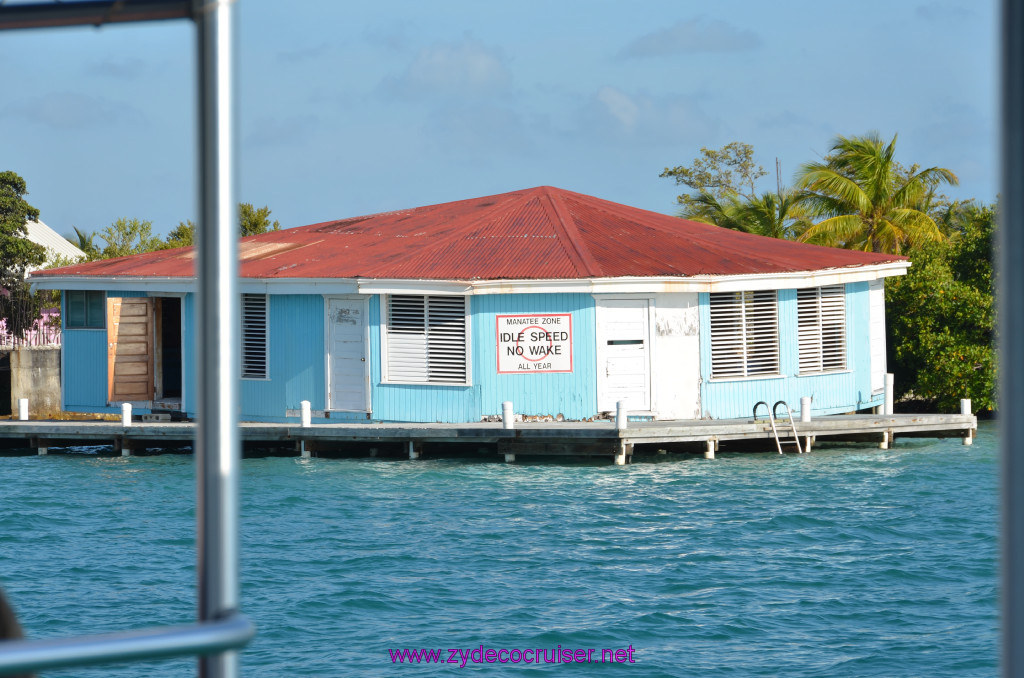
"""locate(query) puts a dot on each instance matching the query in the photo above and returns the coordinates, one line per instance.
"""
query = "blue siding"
(296, 365)
(573, 395)
(831, 393)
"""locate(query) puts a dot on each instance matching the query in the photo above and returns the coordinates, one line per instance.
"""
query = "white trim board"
(366, 286)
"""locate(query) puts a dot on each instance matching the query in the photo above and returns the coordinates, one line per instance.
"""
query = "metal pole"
(218, 336)
(1011, 337)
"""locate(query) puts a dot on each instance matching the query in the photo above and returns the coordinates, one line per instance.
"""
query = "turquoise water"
(848, 561)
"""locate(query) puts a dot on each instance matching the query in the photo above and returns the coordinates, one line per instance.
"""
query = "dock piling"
(509, 458)
(884, 445)
(624, 453)
(965, 408)
(889, 386)
(621, 416)
(508, 421)
(709, 451)
(805, 409)
(415, 450)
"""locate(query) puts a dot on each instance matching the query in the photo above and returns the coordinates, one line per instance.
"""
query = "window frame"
(388, 337)
(748, 340)
(245, 352)
(86, 294)
(817, 311)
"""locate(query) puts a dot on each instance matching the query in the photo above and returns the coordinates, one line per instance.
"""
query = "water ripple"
(847, 561)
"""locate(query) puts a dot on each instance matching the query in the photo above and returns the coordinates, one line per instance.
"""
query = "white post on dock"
(508, 420)
(965, 408)
(625, 450)
(621, 416)
(805, 408)
(709, 451)
(889, 382)
(306, 414)
(126, 414)
(22, 409)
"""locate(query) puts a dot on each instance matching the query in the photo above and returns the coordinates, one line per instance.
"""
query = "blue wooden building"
(562, 303)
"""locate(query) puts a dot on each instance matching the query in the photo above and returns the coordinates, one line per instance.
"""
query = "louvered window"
(821, 324)
(426, 339)
(744, 334)
(254, 336)
(84, 309)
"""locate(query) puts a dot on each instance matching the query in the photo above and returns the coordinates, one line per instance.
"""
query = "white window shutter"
(744, 334)
(821, 329)
(426, 339)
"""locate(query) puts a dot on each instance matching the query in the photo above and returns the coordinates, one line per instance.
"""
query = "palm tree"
(85, 243)
(867, 202)
(775, 215)
(707, 208)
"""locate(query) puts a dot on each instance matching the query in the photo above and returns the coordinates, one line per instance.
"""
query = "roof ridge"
(564, 225)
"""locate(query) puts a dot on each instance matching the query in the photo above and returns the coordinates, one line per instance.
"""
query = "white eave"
(625, 285)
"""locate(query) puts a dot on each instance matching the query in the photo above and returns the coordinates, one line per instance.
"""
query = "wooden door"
(129, 350)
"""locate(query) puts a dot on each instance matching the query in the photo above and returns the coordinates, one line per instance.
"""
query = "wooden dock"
(488, 440)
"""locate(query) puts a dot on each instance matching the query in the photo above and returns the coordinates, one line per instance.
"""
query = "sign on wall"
(534, 343)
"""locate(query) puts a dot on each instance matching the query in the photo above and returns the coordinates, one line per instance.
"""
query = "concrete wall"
(35, 374)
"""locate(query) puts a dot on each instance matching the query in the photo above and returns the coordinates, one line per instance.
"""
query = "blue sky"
(348, 109)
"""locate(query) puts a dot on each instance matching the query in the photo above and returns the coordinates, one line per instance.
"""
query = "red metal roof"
(537, 233)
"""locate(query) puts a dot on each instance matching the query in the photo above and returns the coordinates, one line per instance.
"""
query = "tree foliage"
(866, 201)
(730, 170)
(775, 215)
(126, 237)
(18, 307)
(253, 221)
(940, 318)
(183, 235)
(85, 242)
(17, 252)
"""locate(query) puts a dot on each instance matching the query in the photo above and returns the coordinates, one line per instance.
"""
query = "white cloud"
(467, 69)
(693, 36)
(619, 106)
(72, 110)
(641, 118)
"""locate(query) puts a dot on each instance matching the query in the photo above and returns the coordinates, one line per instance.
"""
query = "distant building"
(562, 303)
(56, 245)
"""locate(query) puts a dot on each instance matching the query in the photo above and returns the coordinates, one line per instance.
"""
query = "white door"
(347, 374)
(623, 354)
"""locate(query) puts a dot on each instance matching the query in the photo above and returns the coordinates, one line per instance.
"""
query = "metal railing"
(220, 629)
(772, 416)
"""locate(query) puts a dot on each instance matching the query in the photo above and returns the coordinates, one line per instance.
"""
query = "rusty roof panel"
(537, 233)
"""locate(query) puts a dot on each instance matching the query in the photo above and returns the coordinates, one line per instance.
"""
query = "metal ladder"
(772, 414)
